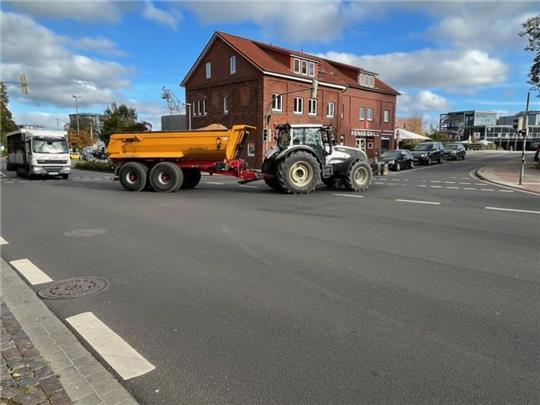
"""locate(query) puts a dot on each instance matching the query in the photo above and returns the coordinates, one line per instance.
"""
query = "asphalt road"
(409, 293)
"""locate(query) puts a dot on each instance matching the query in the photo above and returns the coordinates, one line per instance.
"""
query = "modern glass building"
(466, 125)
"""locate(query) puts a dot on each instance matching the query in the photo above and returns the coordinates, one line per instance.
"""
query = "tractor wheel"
(166, 177)
(273, 183)
(298, 173)
(358, 177)
(133, 176)
(192, 177)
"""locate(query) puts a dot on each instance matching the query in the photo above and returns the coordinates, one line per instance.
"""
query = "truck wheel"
(273, 183)
(166, 177)
(192, 177)
(133, 176)
(298, 173)
(358, 177)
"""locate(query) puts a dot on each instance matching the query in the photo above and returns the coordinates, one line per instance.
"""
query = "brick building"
(236, 80)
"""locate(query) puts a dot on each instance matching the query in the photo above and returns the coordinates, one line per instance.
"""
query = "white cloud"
(427, 100)
(46, 119)
(446, 69)
(55, 73)
(421, 102)
(100, 45)
(81, 10)
(169, 18)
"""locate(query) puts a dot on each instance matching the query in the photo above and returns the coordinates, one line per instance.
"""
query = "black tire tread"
(143, 168)
(348, 179)
(283, 168)
(176, 184)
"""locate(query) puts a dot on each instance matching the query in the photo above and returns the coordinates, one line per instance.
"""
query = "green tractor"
(307, 155)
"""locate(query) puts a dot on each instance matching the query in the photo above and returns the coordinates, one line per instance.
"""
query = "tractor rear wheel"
(192, 177)
(273, 183)
(298, 173)
(358, 176)
(133, 176)
(166, 177)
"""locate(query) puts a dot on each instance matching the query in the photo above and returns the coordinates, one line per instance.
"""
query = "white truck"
(38, 152)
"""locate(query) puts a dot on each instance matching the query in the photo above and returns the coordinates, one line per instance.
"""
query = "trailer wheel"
(192, 177)
(166, 177)
(358, 176)
(298, 173)
(133, 176)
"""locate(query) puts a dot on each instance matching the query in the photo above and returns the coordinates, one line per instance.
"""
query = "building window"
(330, 110)
(312, 107)
(277, 102)
(362, 113)
(370, 114)
(297, 66)
(304, 67)
(208, 70)
(232, 64)
(311, 69)
(298, 105)
(251, 149)
(386, 116)
(366, 80)
(226, 105)
(203, 107)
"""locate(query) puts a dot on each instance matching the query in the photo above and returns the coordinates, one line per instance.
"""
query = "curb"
(478, 173)
(85, 380)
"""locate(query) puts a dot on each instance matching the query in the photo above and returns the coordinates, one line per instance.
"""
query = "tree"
(80, 139)
(6, 124)
(531, 30)
(414, 123)
(120, 119)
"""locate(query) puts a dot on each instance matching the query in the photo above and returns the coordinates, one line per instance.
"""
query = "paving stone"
(43, 372)
(91, 399)
(115, 397)
(29, 353)
(7, 392)
(27, 381)
(36, 363)
(96, 378)
(60, 398)
(50, 385)
(14, 364)
(107, 386)
(11, 353)
(22, 372)
(31, 396)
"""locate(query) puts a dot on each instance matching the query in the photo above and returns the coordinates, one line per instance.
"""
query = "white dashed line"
(505, 191)
(123, 358)
(452, 188)
(480, 184)
(419, 202)
(512, 210)
(435, 181)
(214, 182)
(465, 183)
(3, 241)
(450, 182)
(348, 195)
(469, 188)
(435, 186)
(422, 185)
(379, 183)
(30, 271)
(486, 189)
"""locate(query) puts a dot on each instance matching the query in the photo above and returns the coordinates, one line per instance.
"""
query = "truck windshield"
(49, 146)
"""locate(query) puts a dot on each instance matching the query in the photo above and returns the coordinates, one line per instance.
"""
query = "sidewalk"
(509, 176)
(42, 361)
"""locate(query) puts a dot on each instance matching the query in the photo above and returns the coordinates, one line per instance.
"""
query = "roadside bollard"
(385, 169)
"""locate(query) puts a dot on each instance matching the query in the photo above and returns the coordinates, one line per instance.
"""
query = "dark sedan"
(398, 159)
(454, 151)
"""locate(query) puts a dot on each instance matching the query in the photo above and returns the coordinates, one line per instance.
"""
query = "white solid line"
(378, 183)
(348, 195)
(419, 202)
(469, 188)
(247, 186)
(512, 210)
(30, 271)
(214, 182)
(3, 241)
(123, 358)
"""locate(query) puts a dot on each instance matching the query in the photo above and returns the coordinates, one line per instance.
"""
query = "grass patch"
(95, 166)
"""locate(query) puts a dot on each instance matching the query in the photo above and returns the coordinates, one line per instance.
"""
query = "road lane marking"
(435, 186)
(469, 188)
(214, 182)
(3, 241)
(30, 271)
(512, 210)
(379, 183)
(452, 188)
(419, 202)
(486, 189)
(348, 195)
(123, 358)
(247, 186)
(464, 183)
(450, 182)
(505, 191)
(422, 185)
(393, 184)
(480, 184)
(435, 181)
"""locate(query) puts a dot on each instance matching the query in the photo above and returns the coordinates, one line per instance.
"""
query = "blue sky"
(442, 56)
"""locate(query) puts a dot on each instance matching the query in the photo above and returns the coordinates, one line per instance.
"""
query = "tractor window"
(307, 136)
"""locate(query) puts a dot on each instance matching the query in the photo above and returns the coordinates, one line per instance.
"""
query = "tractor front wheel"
(358, 176)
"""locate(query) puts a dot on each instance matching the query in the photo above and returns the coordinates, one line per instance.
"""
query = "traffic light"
(266, 135)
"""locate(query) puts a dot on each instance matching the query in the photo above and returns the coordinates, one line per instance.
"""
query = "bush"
(95, 166)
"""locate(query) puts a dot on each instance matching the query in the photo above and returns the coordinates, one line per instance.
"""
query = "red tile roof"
(329, 71)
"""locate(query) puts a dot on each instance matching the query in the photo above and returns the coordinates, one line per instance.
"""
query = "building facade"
(466, 125)
(92, 121)
(239, 81)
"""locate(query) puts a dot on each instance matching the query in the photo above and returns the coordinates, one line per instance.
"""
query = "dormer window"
(304, 67)
(366, 80)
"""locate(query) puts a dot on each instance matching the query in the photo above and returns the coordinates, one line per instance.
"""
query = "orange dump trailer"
(166, 161)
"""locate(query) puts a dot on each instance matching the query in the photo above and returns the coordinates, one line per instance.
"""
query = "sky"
(441, 56)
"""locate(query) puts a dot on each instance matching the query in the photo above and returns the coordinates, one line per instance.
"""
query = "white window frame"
(297, 65)
(204, 107)
(251, 149)
(312, 106)
(225, 104)
(311, 69)
(195, 108)
(386, 116)
(362, 114)
(330, 109)
(304, 67)
(366, 80)
(298, 102)
(277, 102)
(232, 64)
(208, 70)
(370, 114)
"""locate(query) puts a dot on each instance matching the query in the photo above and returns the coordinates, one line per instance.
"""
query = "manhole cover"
(72, 288)
(83, 233)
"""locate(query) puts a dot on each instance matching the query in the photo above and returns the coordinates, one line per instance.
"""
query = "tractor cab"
(318, 137)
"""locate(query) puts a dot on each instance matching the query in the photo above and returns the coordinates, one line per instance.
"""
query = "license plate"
(53, 173)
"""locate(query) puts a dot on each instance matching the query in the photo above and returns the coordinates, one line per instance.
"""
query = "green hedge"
(95, 166)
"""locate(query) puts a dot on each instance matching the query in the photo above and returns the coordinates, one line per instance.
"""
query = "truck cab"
(38, 152)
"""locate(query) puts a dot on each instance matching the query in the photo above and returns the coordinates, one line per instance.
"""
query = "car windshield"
(49, 146)
(454, 146)
(424, 146)
(390, 155)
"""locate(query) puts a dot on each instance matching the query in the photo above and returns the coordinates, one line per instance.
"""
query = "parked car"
(398, 159)
(454, 151)
(427, 152)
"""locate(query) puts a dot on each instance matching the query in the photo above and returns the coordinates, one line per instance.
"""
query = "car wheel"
(428, 162)
(411, 165)
(398, 167)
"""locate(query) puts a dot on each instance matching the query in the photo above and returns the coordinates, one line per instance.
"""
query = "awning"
(403, 135)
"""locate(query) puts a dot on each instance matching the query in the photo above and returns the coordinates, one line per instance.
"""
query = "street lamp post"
(77, 111)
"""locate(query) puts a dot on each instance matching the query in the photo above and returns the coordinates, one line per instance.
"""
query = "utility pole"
(77, 111)
(524, 130)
